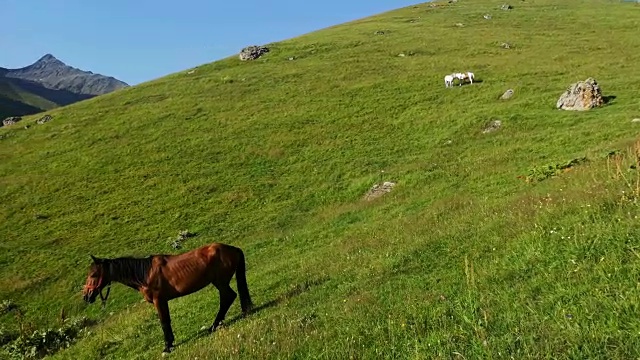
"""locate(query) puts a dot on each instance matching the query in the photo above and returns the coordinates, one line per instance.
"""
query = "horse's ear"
(95, 260)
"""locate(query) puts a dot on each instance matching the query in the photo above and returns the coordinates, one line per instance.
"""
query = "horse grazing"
(448, 80)
(161, 278)
(462, 77)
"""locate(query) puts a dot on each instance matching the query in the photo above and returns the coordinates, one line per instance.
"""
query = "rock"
(460, 25)
(379, 32)
(182, 236)
(507, 95)
(11, 120)
(377, 190)
(506, 45)
(252, 52)
(636, 120)
(492, 126)
(44, 119)
(583, 95)
(506, 7)
(487, 16)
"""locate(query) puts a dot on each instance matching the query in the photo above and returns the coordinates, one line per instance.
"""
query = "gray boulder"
(581, 96)
(492, 126)
(44, 119)
(252, 52)
(11, 120)
(378, 190)
(507, 95)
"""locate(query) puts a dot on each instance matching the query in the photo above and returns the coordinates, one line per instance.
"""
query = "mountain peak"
(48, 58)
(53, 74)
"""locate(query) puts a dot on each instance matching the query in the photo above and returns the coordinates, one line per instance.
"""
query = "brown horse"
(161, 278)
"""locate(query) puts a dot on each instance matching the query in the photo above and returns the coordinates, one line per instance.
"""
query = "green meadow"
(519, 243)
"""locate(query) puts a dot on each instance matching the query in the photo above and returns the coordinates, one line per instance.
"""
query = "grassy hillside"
(477, 252)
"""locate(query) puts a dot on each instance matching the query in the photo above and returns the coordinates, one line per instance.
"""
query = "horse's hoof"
(167, 350)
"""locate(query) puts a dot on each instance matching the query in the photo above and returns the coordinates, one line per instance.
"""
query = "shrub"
(545, 172)
(6, 336)
(41, 343)
(7, 306)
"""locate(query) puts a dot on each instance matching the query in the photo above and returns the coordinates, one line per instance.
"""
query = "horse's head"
(97, 279)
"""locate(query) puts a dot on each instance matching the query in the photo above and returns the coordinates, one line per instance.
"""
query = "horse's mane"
(130, 270)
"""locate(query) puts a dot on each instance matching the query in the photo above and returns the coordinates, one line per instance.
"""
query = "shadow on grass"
(293, 292)
(608, 99)
(475, 81)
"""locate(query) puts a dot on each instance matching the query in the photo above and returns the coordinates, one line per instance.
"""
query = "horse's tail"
(241, 281)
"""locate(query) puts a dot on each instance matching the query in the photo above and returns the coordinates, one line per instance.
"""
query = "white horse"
(448, 80)
(471, 76)
(462, 77)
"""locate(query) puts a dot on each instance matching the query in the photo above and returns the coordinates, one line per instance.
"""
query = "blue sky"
(140, 40)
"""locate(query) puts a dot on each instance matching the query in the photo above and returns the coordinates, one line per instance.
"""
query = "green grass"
(463, 259)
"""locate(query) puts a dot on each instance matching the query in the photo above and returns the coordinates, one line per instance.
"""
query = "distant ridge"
(49, 83)
(55, 74)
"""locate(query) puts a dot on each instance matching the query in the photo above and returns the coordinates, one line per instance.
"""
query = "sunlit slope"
(275, 155)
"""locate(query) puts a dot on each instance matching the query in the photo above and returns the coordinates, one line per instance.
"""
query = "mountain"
(54, 74)
(47, 84)
(506, 244)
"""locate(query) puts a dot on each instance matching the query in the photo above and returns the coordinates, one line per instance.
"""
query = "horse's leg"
(227, 296)
(162, 306)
